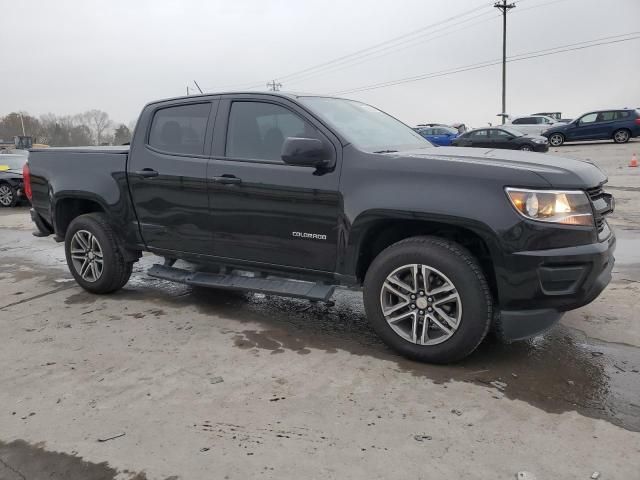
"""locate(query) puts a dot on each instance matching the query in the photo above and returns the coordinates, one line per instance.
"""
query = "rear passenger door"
(605, 125)
(266, 212)
(479, 138)
(167, 172)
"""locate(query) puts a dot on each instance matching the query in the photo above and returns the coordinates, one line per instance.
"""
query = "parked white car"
(532, 124)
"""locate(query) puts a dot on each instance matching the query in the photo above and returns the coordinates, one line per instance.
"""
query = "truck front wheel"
(94, 256)
(428, 299)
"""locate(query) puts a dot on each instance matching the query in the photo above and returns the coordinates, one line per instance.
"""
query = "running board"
(272, 286)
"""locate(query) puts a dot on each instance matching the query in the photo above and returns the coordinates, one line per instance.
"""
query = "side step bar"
(272, 286)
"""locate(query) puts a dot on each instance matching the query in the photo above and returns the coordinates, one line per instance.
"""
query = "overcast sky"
(69, 56)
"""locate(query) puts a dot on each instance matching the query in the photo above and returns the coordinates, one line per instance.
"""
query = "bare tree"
(99, 122)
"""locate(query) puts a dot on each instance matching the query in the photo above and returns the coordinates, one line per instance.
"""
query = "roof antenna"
(198, 86)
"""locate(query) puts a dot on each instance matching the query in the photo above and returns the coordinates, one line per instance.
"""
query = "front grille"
(595, 194)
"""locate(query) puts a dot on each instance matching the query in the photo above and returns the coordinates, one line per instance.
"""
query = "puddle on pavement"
(561, 371)
(627, 247)
(20, 460)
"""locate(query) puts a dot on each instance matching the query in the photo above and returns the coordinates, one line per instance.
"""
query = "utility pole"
(274, 86)
(22, 123)
(504, 7)
(187, 90)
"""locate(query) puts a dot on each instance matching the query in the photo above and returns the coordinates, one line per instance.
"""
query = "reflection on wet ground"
(560, 371)
(20, 461)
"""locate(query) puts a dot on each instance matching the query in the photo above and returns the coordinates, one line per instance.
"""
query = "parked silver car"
(532, 124)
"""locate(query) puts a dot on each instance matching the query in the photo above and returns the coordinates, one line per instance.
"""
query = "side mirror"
(305, 152)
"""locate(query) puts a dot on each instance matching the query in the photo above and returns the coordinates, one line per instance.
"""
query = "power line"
(359, 53)
(394, 48)
(410, 42)
(384, 50)
(490, 63)
(380, 49)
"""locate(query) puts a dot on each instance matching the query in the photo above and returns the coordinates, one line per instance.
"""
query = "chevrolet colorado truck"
(295, 195)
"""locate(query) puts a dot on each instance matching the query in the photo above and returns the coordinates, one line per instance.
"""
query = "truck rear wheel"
(428, 299)
(94, 256)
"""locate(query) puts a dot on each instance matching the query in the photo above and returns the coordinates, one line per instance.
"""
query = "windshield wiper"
(386, 151)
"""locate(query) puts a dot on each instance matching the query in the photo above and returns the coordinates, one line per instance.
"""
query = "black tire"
(527, 148)
(558, 138)
(8, 195)
(622, 135)
(115, 271)
(461, 268)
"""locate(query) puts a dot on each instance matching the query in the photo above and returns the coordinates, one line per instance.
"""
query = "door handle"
(227, 180)
(147, 173)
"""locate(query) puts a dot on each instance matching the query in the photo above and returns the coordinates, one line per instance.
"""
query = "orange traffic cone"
(634, 161)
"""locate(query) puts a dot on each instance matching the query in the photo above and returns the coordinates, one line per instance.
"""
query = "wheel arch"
(383, 233)
(67, 208)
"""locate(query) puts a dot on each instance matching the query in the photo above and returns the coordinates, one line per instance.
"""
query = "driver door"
(585, 127)
(263, 210)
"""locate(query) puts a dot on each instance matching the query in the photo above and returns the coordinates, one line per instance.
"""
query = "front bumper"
(539, 286)
(541, 147)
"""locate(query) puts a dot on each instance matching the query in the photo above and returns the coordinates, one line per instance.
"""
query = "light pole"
(504, 8)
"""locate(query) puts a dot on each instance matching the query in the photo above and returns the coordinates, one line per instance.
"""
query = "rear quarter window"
(180, 129)
(623, 115)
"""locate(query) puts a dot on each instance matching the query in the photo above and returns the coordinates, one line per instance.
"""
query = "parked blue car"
(618, 125)
(440, 135)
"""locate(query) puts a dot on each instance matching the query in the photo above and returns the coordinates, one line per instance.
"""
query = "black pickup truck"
(294, 195)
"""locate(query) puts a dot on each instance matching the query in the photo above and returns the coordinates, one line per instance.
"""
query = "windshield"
(368, 128)
(12, 161)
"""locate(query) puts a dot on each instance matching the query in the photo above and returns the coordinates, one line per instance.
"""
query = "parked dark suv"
(618, 125)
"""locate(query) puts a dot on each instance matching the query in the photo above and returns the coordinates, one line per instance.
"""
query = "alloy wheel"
(421, 304)
(556, 140)
(621, 136)
(86, 255)
(6, 195)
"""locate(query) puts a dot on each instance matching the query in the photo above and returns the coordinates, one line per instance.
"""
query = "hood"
(558, 172)
(532, 136)
(558, 127)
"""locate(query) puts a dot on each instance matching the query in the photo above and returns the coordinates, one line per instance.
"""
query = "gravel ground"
(161, 381)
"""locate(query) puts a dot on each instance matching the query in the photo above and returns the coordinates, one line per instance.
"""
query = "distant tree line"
(93, 127)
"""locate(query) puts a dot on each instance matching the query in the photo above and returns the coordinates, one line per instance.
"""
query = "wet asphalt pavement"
(572, 368)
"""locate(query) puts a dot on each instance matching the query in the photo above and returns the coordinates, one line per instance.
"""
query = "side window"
(257, 130)
(180, 129)
(480, 134)
(623, 115)
(519, 121)
(499, 134)
(605, 116)
(588, 119)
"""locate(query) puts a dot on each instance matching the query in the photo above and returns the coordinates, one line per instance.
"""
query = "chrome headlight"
(569, 207)
(540, 140)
